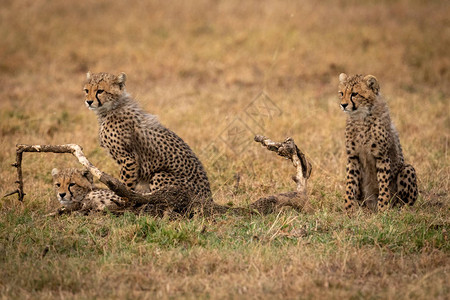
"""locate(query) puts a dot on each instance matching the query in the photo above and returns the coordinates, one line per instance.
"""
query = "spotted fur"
(75, 190)
(148, 153)
(376, 173)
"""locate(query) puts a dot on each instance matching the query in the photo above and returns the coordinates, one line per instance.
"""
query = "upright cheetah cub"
(376, 173)
(75, 190)
(147, 152)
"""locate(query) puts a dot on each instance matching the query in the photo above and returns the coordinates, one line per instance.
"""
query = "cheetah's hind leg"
(407, 190)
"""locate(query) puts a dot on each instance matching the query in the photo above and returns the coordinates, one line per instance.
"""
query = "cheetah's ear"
(342, 77)
(372, 83)
(121, 78)
(88, 75)
(55, 172)
(88, 175)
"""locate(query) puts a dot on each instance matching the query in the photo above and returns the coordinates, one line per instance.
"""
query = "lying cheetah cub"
(376, 173)
(75, 190)
(148, 153)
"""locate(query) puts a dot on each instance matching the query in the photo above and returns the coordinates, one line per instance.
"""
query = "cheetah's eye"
(354, 94)
(100, 91)
(57, 184)
(86, 91)
(71, 184)
(341, 94)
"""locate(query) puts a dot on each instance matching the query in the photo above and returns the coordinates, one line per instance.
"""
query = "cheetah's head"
(71, 186)
(103, 90)
(357, 93)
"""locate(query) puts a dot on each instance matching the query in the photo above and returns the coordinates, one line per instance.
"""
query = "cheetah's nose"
(344, 105)
(89, 102)
(62, 195)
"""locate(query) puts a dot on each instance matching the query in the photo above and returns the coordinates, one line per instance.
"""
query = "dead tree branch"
(178, 200)
(289, 150)
(19, 181)
(165, 198)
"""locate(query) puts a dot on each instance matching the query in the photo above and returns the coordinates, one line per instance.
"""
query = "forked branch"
(179, 200)
(289, 150)
(113, 184)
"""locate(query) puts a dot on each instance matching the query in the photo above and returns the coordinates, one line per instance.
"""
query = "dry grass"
(200, 66)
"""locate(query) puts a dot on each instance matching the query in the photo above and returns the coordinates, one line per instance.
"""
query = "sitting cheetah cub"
(148, 153)
(376, 173)
(75, 190)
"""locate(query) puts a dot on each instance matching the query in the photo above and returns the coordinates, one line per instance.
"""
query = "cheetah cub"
(76, 191)
(148, 153)
(376, 173)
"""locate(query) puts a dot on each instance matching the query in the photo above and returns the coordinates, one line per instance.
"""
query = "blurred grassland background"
(216, 73)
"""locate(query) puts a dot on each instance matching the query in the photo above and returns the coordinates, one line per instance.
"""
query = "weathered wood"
(288, 149)
(19, 181)
(21, 148)
(113, 184)
(176, 199)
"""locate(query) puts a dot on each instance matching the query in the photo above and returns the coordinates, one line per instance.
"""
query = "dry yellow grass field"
(216, 73)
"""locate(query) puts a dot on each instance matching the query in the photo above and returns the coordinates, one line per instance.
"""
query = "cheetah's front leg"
(352, 191)
(383, 177)
(129, 171)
